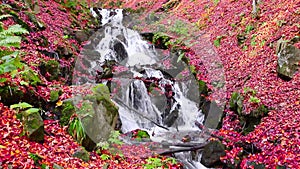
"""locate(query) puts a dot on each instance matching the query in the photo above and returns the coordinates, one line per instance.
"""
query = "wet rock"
(288, 59)
(82, 154)
(212, 153)
(91, 55)
(33, 125)
(171, 118)
(214, 116)
(120, 52)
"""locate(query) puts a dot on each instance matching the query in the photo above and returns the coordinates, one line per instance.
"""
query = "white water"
(132, 92)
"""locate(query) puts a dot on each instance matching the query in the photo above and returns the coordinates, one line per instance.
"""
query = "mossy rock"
(288, 59)
(33, 126)
(54, 95)
(97, 114)
(10, 94)
(51, 67)
(66, 110)
(38, 24)
(249, 121)
(82, 154)
(31, 77)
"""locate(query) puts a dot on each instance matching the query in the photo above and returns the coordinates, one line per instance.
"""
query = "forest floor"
(251, 65)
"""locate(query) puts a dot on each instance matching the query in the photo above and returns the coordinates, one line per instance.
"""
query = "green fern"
(9, 38)
(5, 16)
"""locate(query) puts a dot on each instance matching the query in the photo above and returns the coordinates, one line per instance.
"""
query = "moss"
(101, 90)
(10, 94)
(67, 110)
(54, 95)
(51, 67)
(82, 154)
(33, 126)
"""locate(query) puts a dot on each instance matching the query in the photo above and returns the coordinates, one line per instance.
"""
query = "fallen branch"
(139, 113)
(171, 151)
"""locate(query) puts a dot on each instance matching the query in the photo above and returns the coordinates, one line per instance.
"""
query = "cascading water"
(149, 93)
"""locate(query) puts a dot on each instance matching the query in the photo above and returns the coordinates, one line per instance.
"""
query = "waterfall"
(145, 90)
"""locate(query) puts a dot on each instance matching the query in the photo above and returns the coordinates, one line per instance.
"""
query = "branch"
(139, 113)
(197, 147)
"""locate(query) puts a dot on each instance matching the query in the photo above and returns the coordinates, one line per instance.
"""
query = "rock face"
(98, 115)
(212, 153)
(33, 126)
(288, 59)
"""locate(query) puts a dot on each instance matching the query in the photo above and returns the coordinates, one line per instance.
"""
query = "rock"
(64, 52)
(249, 121)
(33, 125)
(82, 154)
(212, 153)
(81, 36)
(288, 59)
(50, 69)
(98, 115)
(214, 116)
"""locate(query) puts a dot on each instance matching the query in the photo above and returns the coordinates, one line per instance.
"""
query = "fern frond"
(2, 6)
(10, 41)
(5, 16)
(15, 29)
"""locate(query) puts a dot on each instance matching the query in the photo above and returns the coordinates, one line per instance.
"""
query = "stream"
(154, 91)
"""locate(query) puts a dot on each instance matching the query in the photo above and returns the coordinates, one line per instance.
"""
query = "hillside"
(231, 45)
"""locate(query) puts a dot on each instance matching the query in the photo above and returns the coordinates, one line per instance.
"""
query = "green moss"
(33, 126)
(82, 154)
(54, 95)
(52, 67)
(67, 110)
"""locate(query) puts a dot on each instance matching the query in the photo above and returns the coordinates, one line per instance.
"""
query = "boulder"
(98, 115)
(33, 125)
(288, 59)
(212, 153)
